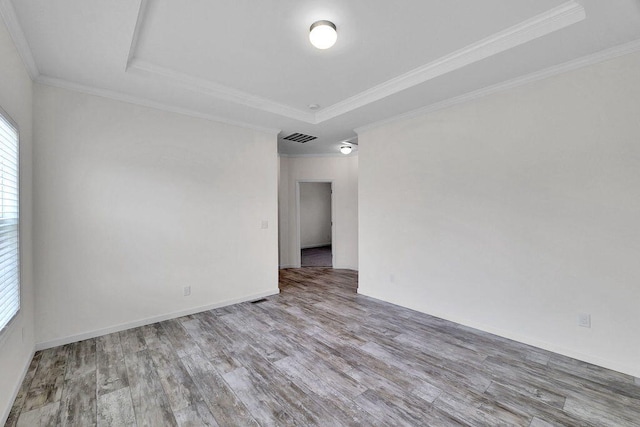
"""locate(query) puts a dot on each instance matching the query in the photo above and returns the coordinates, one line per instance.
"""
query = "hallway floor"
(316, 257)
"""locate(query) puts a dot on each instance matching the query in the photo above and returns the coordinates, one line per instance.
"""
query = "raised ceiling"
(250, 62)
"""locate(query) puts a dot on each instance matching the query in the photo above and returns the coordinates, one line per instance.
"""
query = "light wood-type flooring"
(317, 354)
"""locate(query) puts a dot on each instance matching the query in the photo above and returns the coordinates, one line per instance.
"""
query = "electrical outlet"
(584, 320)
(392, 278)
(264, 224)
(187, 291)
(22, 334)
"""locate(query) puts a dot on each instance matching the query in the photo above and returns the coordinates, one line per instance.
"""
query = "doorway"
(315, 223)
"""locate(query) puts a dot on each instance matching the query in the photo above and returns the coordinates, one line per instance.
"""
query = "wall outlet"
(392, 278)
(264, 224)
(22, 334)
(584, 320)
(187, 291)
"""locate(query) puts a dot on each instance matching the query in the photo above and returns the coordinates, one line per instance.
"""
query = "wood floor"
(317, 354)
(316, 257)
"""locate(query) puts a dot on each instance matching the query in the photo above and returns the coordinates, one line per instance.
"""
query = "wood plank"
(226, 408)
(208, 344)
(256, 397)
(296, 401)
(181, 341)
(344, 409)
(46, 386)
(475, 410)
(110, 365)
(132, 340)
(155, 336)
(537, 422)
(149, 400)
(81, 359)
(184, 397)
(45, 415)
(529, 404)
(388, 413)
(18, 403)
(116, 409)
(78, 402)
(601, 414)
(195, 415)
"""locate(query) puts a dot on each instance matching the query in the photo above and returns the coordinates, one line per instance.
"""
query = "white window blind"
(9, 251)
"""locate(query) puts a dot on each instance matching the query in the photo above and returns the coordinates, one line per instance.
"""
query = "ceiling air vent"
(300, 137)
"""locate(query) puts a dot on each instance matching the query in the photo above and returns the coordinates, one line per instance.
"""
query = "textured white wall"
(343, 171)
(15, 99)
(515, 213)
(315, 214)
(133, 204)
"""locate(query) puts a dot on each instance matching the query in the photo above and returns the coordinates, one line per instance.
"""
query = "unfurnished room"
(320, 213)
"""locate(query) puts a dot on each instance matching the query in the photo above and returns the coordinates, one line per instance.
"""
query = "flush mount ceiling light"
(346, 149)
(322, 34)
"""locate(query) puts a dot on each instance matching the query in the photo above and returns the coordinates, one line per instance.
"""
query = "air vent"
(258, 301)
(300, 137)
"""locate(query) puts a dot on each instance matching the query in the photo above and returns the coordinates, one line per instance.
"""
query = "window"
(9, 242)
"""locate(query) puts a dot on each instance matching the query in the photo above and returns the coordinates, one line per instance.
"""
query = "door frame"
(298, 257)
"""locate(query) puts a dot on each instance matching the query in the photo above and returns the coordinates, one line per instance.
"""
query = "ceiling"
(250, 62)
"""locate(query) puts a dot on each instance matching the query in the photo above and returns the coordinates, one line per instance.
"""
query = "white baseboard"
(149, 320)
(535, 342)
(16, 390)
(345, 267)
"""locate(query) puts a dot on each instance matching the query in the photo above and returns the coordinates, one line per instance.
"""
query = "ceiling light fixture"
(346, 149)
(322, 34)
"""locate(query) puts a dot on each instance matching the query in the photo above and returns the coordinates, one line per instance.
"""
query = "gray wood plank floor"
(316, 257)
(317, 354)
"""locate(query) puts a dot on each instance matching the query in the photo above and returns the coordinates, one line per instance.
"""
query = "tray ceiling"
(250, 63)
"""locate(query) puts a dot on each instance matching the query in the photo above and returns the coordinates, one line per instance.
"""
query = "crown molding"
(137, 30)
(540, 25)
(545, 23)
(8, 13)
(117, 96)
(200, 85)
(220, 91)
(602, 56)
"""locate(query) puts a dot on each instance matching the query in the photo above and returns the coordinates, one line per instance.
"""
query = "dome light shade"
(346, 149)
(322, 34)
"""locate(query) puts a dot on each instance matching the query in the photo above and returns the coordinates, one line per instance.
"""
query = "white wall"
(515, 213)
(132, 204)
(15, 99)
(315, 214)
(343, 172)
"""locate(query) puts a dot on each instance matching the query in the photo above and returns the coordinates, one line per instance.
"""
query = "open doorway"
(315, 224)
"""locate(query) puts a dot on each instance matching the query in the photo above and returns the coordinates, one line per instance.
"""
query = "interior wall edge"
(524, 339)
(17, 387)
(516, 214)
(148, 321)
